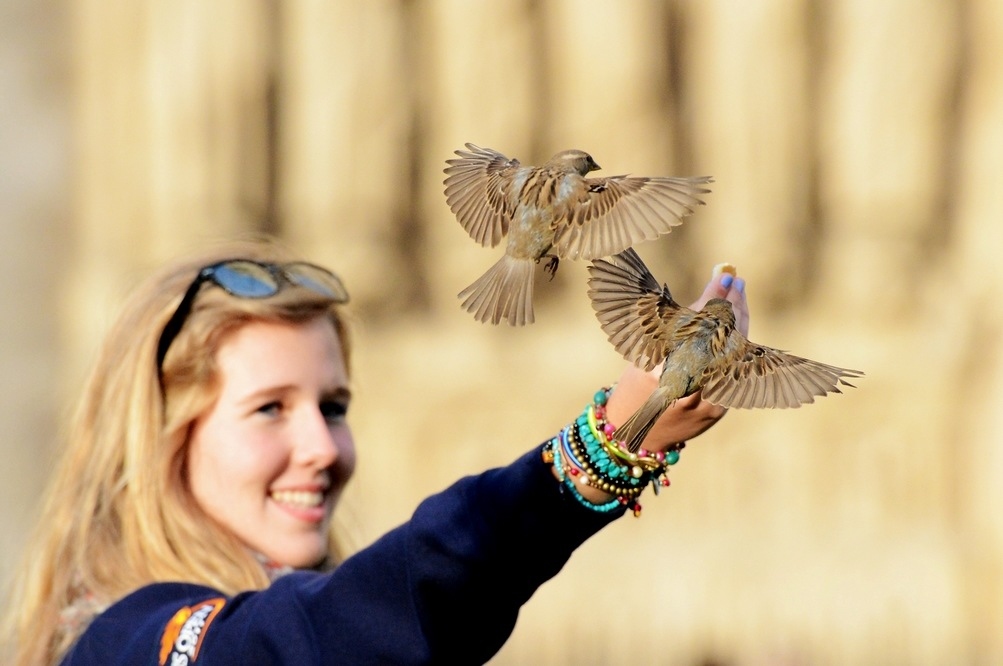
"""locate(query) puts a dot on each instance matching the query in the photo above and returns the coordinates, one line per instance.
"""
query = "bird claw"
(551, 266)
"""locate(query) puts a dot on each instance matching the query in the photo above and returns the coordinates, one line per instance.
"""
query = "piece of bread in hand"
(724, 268)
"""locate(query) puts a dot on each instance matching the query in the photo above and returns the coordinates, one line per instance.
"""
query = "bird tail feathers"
(505, 291)
(636, 428)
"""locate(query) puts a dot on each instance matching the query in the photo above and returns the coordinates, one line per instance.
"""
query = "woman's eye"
(273, 408)
(333, 410)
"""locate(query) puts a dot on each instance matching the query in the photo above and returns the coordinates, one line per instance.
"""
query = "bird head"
(576, 160)
(720, 309)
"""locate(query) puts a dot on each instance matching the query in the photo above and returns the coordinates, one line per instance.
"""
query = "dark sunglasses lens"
(245, 279)
(317, 279)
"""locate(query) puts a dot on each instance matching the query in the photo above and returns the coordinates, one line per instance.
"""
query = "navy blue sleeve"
(444, 587)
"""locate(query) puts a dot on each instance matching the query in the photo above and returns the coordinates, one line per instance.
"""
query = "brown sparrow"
(552, 211)
(702, 351)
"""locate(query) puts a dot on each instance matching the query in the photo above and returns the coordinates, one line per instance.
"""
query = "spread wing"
(477, 192)
(639, 317)
(748, 376)
(615, 213)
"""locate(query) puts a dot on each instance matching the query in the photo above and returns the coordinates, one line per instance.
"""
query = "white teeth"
(301, 498)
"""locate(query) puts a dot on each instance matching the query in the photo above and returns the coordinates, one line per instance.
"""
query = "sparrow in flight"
(554, 212)
(702, 351)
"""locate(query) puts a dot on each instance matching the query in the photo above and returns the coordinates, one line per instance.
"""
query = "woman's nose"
(315, 443)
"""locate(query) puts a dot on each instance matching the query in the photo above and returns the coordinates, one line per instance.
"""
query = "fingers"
(740, 305)
(718, 287)
(726, 285)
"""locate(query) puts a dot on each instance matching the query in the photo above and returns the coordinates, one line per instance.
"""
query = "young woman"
(189, 517)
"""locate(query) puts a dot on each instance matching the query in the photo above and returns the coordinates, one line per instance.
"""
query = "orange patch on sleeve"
(184, 632)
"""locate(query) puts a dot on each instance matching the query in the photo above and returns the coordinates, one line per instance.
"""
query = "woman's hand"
(687, 417)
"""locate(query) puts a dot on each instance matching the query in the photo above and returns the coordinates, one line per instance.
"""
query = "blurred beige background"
(856, 146)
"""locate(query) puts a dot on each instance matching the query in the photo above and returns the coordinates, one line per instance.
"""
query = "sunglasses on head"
(245, 278)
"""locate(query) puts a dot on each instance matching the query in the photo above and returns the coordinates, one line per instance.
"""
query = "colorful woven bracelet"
(601, 471)
(585, 452)
(650, 466)
(566, 473)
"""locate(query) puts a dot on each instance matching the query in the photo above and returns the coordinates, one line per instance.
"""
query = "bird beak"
(593, 166)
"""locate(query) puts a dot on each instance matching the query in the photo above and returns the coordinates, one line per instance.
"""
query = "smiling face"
(270, 458)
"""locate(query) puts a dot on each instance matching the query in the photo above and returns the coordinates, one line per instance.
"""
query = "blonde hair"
(117, 514)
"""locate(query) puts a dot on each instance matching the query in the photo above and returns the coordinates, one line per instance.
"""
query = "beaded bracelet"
(602, 472)
(566, 474)
(585, 450)
(642, 464)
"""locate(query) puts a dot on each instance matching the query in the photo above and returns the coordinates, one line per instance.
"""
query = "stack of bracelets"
(585, 452)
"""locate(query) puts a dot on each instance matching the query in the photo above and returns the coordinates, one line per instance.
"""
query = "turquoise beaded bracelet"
(586, 450)
(554, 447)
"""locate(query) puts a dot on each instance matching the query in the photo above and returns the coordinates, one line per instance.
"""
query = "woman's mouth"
(307, 505)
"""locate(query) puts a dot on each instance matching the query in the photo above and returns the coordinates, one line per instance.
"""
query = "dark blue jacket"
(444, 587)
